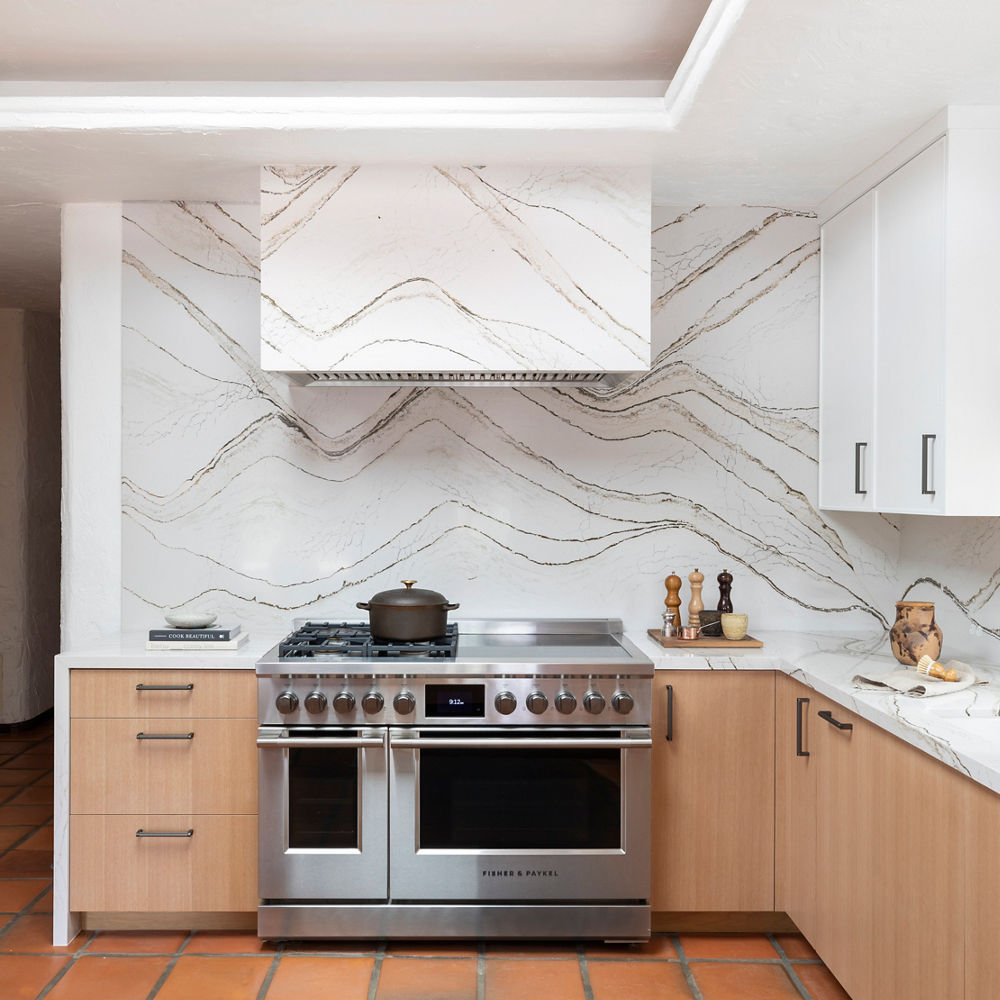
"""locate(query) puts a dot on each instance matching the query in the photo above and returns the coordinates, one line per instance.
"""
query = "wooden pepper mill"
(695, 605)
(725, 579)
(673, 601)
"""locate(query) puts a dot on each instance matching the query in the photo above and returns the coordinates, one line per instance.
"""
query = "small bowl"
(735, 626)
(190, 619)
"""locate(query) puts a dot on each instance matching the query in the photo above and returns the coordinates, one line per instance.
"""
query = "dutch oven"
(407, 615)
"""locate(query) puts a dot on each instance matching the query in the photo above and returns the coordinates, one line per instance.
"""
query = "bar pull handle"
(164, 833)
(858, 469)
(799, 702)
(164, 687)
(833, 722)
(670, 711)
(164, 736)
(927, 465)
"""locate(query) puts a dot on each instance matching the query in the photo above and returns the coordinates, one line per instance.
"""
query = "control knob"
(622, 702)
(593, 702)
(536, 702)
(316, 702)
(287, 702)
(565, 703)
(404, 703)
(372, 703)
(505, 702)
(344, 702)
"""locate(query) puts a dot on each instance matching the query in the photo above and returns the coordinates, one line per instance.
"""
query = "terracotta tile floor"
(174, 965)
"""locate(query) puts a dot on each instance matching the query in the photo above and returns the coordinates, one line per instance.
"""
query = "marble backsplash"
(264, 502)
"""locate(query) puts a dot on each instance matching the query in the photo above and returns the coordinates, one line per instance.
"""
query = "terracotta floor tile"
(795, 946)
(658, 946)
(44, 905)
(12, 834)
(526, 979)
(33, 795)
(302, 977)
(727, 946)
(40, 840)
(430, 949)
(820, 982)
(198, 977)
(743, 981)
(26, 864)
(531, 949)
(25, 976)
(137, 942)
(334, 946)
(427, 979)
(18, 776)
(32, 933)
(96, 978)
(25, 815)
(15, 894)
(227, 943)
(638, 981)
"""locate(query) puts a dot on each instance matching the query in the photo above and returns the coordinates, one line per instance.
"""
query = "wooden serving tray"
(703, 642)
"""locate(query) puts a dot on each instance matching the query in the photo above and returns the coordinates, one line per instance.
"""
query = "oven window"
(323, 798)
(530, 799)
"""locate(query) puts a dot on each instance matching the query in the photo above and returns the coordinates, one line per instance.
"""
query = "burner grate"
(339, 639)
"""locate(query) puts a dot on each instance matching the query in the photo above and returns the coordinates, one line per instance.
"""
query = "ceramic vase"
(915, 633)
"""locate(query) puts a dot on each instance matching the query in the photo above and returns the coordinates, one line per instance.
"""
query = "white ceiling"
(799, 99)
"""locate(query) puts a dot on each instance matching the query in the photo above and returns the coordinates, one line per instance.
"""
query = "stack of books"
(197, 638)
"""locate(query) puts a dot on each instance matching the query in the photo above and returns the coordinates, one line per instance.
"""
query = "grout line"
(73, 959)
(376, 971)
(266, 985)
(789, 970)
(685, 968)
(481, 971)
(170, 968)
(588, 990)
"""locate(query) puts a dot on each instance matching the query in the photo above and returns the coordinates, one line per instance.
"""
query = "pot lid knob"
(408, 583)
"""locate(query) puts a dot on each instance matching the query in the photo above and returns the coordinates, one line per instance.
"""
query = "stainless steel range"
(491, 783)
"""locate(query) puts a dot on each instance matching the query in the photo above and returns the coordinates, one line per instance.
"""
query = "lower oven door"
(323, 813)
(519, 814)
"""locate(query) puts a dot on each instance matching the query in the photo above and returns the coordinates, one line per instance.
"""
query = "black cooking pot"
(407, 615)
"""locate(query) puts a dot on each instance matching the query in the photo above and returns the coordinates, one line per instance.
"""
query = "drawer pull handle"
(164, 736)
(670, 712)
(164, 833)
(833, 722)
(164, 687)
(799, 751)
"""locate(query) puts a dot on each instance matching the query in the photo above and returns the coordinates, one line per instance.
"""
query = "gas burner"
(330, 639)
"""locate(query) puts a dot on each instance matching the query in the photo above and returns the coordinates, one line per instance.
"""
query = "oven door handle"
(318, 743)
(523, 744)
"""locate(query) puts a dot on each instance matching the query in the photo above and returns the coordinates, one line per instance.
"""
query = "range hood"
(408, 274)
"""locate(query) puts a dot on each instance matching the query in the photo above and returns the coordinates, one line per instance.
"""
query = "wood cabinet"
(713, 791)
(163, 791)
(981, 846)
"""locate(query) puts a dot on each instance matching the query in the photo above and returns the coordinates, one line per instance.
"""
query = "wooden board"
(704, 642)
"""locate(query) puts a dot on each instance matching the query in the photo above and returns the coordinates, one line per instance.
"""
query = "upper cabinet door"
(910, 383)
(847, 358)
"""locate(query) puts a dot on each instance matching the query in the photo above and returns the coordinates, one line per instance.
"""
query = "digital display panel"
(455, 701)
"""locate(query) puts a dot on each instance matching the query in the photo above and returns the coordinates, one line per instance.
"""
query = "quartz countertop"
(961, 730)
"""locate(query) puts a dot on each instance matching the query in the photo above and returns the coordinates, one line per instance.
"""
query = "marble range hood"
(472, 275)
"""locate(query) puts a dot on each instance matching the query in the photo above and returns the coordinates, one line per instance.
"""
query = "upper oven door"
(519, 814)
(323, 813)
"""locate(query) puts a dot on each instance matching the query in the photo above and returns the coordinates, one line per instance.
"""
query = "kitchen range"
(492, 782)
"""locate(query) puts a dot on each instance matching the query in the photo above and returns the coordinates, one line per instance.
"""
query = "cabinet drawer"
(215, 771)
(214, 694)
(113, 870)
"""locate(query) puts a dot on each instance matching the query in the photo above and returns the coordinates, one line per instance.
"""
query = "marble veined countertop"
(961, 730)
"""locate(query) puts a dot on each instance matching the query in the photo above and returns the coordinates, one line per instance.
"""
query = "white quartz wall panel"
(391, 268)
(262, 502)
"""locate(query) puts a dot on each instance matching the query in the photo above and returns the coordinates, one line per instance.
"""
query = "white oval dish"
(190, 619)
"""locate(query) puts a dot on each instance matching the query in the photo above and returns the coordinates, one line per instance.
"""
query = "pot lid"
(409, 598)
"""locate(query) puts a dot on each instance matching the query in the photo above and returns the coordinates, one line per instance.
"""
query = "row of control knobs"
(404, 702)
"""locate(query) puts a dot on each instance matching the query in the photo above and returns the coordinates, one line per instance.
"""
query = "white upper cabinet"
(909, 400)
(402, 268)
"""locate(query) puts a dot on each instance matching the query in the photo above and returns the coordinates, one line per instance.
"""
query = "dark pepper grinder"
(725, 579)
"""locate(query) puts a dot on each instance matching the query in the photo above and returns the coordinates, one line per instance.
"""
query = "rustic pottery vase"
(915, 633)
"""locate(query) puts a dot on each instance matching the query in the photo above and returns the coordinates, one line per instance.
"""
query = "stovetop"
(327, 640)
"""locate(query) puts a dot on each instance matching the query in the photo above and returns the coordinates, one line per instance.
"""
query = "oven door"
(323, 815)
(519, 814)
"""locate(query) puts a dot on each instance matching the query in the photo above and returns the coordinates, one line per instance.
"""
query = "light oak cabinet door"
(981, 845)
(713, 791)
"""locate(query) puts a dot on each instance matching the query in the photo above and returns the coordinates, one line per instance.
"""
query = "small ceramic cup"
(735, 626)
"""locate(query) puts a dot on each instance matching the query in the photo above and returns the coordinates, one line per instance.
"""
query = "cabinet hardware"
(833, 722)
(164, 833)
(799, 702)
(670, 711)
(858, 465)
(520, 744)
(926, 466)
(164, 736)
(164, 687)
